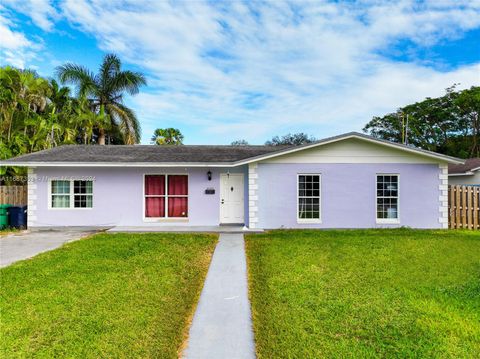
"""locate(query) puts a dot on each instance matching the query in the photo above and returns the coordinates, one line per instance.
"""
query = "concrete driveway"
(22, 245)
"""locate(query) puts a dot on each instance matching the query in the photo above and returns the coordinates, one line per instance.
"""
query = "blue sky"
(221, 71)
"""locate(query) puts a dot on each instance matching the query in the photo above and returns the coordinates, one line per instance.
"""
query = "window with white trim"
(71, 194)
(308, 197)
(166, 196)
(387, 198)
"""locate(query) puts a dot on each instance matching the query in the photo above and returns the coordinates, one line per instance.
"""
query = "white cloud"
(42, 12)
(15, 48)
(226, 70)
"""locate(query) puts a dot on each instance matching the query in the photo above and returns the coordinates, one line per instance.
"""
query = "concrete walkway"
(222, 325)
(23, 245)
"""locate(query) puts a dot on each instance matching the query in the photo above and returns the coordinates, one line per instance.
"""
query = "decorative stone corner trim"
(253, 195)
(31, 197)
(443, 198)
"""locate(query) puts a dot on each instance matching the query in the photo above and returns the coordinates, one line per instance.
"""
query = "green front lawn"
(110, 295)
(370, 293)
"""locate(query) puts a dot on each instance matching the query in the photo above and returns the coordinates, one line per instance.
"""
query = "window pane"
(177, 207)
(301, 188)
(308, 208)
(60, 187)
(391, 186)
(82, 201)
(155, 185)
(178, 185)
(301, 207)
(81, 187)
(392, 213)
(78, 187)
(60, 201)
(155, 207)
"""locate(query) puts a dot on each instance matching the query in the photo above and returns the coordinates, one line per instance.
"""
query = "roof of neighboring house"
(470, 165)
(138, 155)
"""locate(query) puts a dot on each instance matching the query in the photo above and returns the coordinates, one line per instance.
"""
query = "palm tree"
(88, 120)
(106, 89)
(59, 96)
(167, 136)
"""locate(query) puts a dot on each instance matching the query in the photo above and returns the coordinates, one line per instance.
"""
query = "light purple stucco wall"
(118, 197)
(348, 195)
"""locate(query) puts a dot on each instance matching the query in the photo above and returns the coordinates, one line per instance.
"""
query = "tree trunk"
(475, 147)
(101, 136)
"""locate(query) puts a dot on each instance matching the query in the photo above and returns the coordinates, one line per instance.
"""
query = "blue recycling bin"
(17, 216)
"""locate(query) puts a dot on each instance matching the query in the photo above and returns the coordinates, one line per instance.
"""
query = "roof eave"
(468, 173)
(117, 164)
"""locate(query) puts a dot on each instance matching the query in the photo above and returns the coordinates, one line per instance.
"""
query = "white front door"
(231, 198)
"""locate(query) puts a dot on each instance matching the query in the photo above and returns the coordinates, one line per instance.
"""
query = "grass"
(367, 293)
(107, 296)
(8, 230)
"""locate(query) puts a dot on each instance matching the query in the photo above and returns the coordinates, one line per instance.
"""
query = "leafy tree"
(294, 139)
(448, 124)
(10, 99)
(106, 90)
(37, 113)
(468, 107)
(167, 136)
(239, 143)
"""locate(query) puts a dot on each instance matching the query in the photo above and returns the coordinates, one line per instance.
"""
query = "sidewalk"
(23, 245)
(222, 325)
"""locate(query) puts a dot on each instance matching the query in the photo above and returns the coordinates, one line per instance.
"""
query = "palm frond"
(128, 81)
(127, 121)
(77, 75)
(110, 66)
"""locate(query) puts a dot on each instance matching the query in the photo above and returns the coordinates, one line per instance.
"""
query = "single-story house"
(466, 174)
(348, 181)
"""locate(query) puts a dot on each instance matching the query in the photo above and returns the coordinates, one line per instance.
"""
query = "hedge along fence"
(15, 195)
(463, 207)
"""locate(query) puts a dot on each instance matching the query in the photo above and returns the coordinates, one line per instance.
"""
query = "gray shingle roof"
(194, 155)
(145, 154)
(469, 165)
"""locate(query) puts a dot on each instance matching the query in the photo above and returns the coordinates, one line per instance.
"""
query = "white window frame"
(71, 194)
(309, 220)
(166, 218)
(387, 220)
